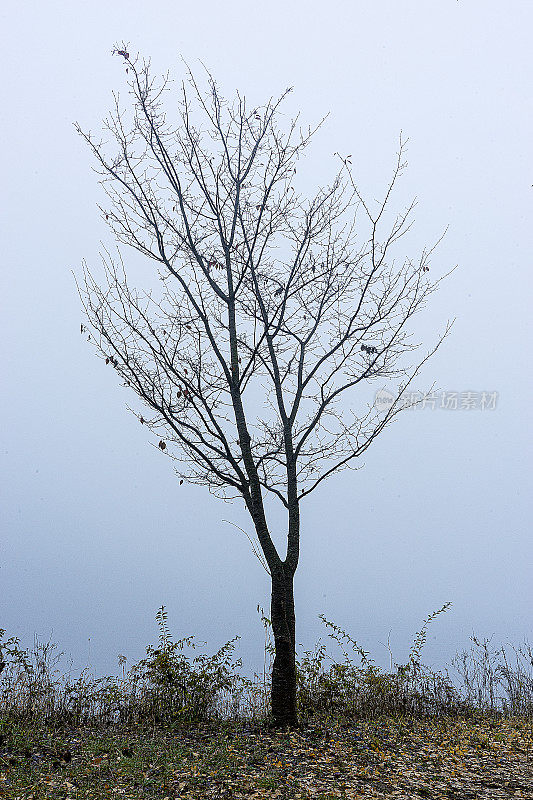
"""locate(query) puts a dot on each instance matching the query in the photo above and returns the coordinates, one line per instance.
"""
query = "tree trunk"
(283, 695)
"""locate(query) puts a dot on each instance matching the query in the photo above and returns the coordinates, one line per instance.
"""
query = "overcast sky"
(96, 532)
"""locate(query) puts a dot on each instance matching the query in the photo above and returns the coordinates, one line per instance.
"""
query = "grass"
(184, 724)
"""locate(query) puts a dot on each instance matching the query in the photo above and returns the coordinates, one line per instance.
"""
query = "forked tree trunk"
(283, 695)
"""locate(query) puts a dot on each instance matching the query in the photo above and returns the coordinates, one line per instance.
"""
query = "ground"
(383, 758)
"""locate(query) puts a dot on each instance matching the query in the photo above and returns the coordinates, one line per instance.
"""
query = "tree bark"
(283, 696)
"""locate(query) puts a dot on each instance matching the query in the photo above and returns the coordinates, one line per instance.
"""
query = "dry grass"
(173, 684)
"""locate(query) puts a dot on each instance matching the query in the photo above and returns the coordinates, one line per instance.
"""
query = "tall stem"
(283, 697)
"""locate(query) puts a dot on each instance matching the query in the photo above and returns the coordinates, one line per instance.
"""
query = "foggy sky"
(96, 533)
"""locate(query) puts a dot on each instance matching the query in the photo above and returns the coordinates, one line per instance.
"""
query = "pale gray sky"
(96, 532)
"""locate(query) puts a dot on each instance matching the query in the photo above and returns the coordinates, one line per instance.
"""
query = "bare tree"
(271, 312)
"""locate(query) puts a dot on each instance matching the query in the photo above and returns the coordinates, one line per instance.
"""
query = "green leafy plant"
(176, 683)
(177, 687)
(421, 637)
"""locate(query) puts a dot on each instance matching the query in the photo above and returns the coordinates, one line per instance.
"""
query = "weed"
(176, 684)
